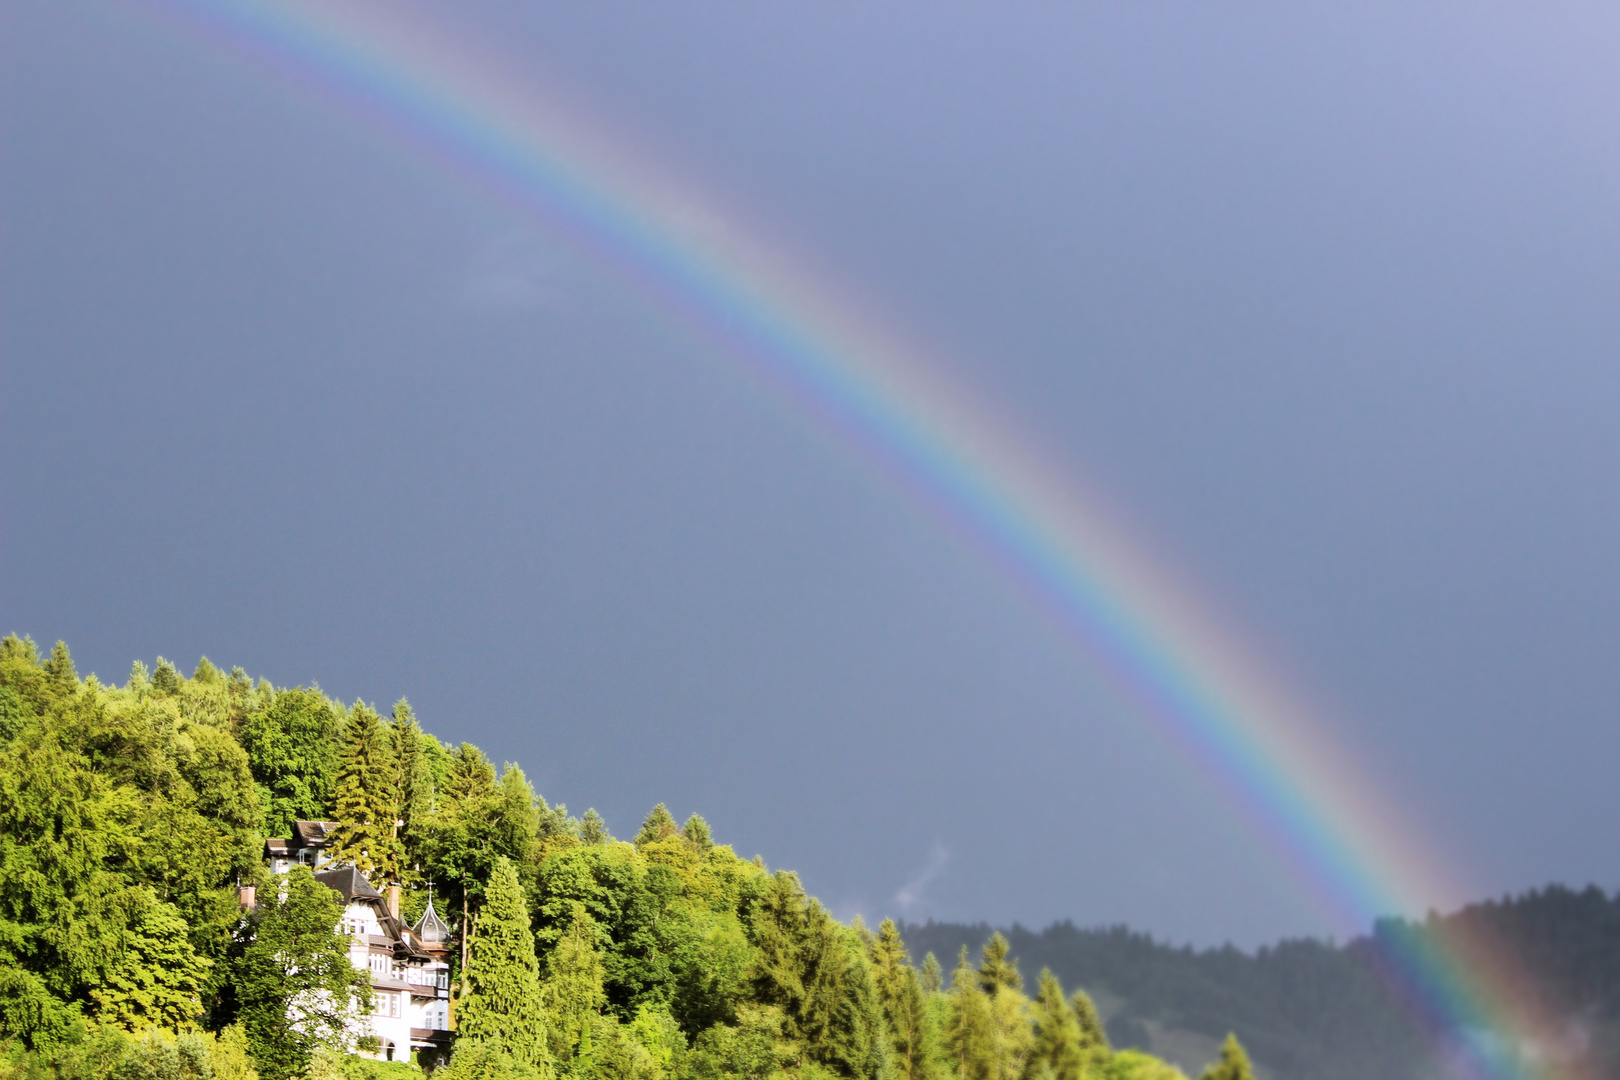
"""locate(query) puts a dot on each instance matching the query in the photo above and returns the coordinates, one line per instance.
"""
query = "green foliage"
(997, 970)
(166, 679)
(753, 1048)
(295, 988)
(696, 830)
(1136, 1065)
(503, 1002)
(913, 1039)
(365, 799)
(292, 742)
(970, 1035)
(932, 976)
(1233, 1063)
(328, 1064)
(572, 990)
(127, 815)
(593, 830)
(463, 837)
(517, 818)
(14, 714)
(109, 1053)
(415, 782)
(659, 825)
(141, 969)
(1059, 1050)
(817, 973)
(482, 1059)
(1093, 1037)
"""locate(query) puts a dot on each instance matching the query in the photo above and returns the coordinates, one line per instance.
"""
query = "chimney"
(392, 899)
(246, 896)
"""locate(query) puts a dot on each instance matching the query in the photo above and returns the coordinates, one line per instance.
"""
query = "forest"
(130, 817)
(1312, 1010)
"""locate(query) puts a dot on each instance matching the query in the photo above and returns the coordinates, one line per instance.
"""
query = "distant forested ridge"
(134, 821)
(1310, 1010)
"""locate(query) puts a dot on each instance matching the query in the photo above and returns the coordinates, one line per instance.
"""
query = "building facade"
(408, 965)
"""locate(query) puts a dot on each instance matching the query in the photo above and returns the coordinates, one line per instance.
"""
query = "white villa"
(410, 975)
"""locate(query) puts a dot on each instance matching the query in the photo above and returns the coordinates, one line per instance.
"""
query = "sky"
(1320, 300)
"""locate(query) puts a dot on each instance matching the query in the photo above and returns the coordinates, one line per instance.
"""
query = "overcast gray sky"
(1324, 296)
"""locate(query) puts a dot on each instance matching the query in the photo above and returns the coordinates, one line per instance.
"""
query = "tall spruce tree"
(697, 833)
(660, 825)
(933, 976)
(463, 836)
(405, 736)
(1092, 1033)
(414, 781)
(517, 825)
(365, 800)
(970, 1040)
(997, 970)
(503, 1003)
(593, 831)
(911, 1039)
(1233, 1064)
(1058, 1051)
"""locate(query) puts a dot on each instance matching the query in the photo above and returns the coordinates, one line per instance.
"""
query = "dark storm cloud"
(1324, 295)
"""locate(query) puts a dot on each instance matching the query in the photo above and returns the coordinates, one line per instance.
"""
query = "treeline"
(1311, 1010)
(130, 815)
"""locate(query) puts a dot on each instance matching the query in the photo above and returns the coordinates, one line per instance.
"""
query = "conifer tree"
(933, 976)
(593, 830)
(900, 993)
(1058, 1052)
(697, 833)
(1093, 1036)
(471, 775)
(165, 680)
(998, 971)
(517, 817)
(364, 801)
(59, 670)
(503, 1002)
(463, 837)
(660, 825)
(414, 782)
(405, 736)
(1233, 1064)
(969, 1029)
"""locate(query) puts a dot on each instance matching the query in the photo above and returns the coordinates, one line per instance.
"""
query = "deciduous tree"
(295, 988)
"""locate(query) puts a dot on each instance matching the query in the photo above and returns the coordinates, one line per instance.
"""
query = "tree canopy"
(129, 816)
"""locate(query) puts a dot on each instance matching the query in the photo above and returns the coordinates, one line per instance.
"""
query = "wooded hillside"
(130, 815)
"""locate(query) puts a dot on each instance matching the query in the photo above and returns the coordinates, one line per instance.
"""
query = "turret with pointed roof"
(432, 931)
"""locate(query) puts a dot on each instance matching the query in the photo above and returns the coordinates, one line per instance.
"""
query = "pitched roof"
(348, 883)
(312, 833)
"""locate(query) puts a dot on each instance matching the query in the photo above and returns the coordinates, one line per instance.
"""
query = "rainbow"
(383, 63)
